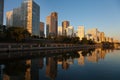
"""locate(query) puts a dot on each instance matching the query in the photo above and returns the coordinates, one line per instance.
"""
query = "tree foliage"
(17, 33)
(65, 39)
(13, 34)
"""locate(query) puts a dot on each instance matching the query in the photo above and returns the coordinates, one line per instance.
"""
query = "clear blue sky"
(101, 14)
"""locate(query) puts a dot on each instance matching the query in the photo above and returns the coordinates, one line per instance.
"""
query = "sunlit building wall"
(9, 18)
(75, 33)
(110, 40)
(107, 39)
(27, 16)
(30, 16)
(94, 33)
(52, 25)
(59, 31)
(65, 24)
(16, 17)
(81, 32)
(102, 37)
(1, 11)
(42, 29)
(13, 18)
(89, 37)
(70, 31)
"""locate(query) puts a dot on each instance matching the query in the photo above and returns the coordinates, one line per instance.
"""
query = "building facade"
(52, 25)
(60, 31)
(70, 31)
(30, 17)
(1, 11)
(102, 36)
(65, 24)
(27, 16)
(9, 18)
(94, 34)
(81, 32)
(42, 29)
(16, 17)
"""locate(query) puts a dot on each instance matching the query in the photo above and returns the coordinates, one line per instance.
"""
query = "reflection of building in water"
(2, 75)
(59, 62)
(1, 72)
(81, 58)
(103, 54)
(70, 60)
(98, 52)
(41, 62)
(65, 64)
(93, 57)
(28, 70)
(32, 71)
(6, 77)
(51, 67)
(107, 51)
(35, 69)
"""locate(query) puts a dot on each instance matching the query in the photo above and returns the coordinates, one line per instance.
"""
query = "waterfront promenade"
(27, 46)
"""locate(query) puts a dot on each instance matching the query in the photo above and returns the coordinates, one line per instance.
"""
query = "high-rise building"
(52, 25)
(13, 17)
(30, 17)
(1, 11)
(94, 34)
(70, 31)
(81, 32)
(27, 16)
(51, 67)
(9, 18)
(102, 36)
(59, 31)
(42, 29)
(16, 17)
(65, 24)
(107, 39)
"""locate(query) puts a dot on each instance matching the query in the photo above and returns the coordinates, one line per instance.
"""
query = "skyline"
(103, 14)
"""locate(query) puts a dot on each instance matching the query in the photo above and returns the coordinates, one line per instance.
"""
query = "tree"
(84, 41)
(2, 32)
(17, 33)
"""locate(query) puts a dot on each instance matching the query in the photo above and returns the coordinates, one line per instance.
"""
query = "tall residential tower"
(52, 25)
(1, 11)
(30, 16)
(81, 32)
(27, 16)
(42, 29)
(65, 24)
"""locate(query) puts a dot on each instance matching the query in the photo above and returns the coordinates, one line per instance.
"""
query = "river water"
(94, 64)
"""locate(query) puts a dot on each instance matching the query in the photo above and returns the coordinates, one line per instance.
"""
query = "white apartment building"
(81, 32)
(27, 16)
(70, 31)
(9, 18)
(94, 34)
(59, 30)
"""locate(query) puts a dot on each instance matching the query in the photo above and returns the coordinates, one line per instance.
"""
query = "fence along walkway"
(26, 46)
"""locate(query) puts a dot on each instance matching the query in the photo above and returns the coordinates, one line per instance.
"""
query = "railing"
(25, 46)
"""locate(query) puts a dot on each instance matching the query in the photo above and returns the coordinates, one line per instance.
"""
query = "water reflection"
(46, 67)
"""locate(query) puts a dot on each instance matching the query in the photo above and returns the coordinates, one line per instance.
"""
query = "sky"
(101, 14)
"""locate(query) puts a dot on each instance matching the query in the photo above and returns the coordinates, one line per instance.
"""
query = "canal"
(91, 64)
